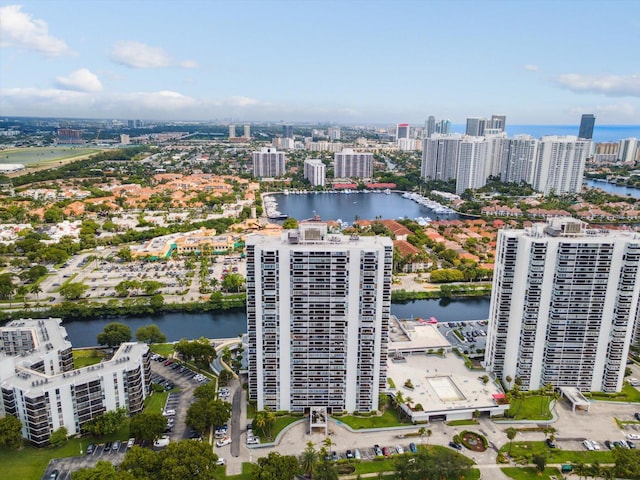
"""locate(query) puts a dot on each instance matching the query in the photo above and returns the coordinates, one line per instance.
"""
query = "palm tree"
(309, 460)
(429, 433)
(422, 432)
(511, 434)
(35, 290)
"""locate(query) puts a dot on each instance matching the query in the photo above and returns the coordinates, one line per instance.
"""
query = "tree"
(35, 290)
(275, 467)
(434, 464)
(73, 290)
(187, 459)
(309, 459)
(540, 461)
(290, 224)
(114, 334)
(102, 471)
(59, 436)
(422, 432)
(147, 426)
(429, 433)
(10, 432)
(263, 422)
(233, 281)
(206, 413)
(150, 334)
(141, 463)
(511, 434)
(106, 423)
(508, 379)
(124, 254)
(7, 287)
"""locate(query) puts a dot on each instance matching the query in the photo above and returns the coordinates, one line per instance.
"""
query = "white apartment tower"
(472, 160)
(521, 160)
(315, 171)
(247, 131)
(318, 307)
(350, 164)
(560, 164)
(627, 150)
(232, 131)
(268, 162)
(440, 156)
(333, 133)
(564, 303)
(497, 153)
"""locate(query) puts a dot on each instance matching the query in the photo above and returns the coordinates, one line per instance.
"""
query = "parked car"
(631, 445)
(131, 442)
(107, 446)
(169, 412)
(91, 448)
(221, 461)
(413, 448)
(377, 450)
(349, 454)
(608, 444)
(637, 416)
(223, 441)
(116, 446)
(162, 442)
(334, 456)
(633, 436)
(399, 449)
(550, 443)
(356, 454)
(54, 475)
(385, 451)
(455, 445)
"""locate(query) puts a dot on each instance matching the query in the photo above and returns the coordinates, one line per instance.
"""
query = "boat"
(387, 191)
(278, 216)
(432, 320)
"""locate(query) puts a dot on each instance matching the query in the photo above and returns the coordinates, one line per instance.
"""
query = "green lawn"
(245, 475)
(456, 423)
(389, 418)
(84, 358)
(531, 407)
(529, 473)
(155, 403)
(282, 422)
(525, 450)
(628, 394)
(164, 349)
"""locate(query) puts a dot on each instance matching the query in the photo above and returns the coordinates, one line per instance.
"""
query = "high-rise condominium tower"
(563, 306)
(318, 308)
(232, 131)
(287, 131)
(587, 122)
(499, 121)
(402, 131)
(440, 156)
(560, 164)
(268, 162)
(247, 131)
(350, 164)
(476, 126)
(430, 126)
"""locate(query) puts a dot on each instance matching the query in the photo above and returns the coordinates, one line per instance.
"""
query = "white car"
(169, 413)
(221, 461)
(588, 445)
(131, 442)
(633, 436)
(399, 449)
(162, 442)
(251, 440)
(223, 441)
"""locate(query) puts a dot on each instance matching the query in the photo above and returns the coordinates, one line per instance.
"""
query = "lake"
(231, 324)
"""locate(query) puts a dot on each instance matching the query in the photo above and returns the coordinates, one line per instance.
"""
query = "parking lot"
(474, 333)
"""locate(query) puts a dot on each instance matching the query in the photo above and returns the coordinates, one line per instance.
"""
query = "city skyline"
(203, 61)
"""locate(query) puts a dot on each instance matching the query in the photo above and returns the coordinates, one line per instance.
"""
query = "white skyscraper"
(627, 150)
(497, 153)
(232, 131)
(476, 126)
(440, 156)
(318, 307)
(521, 160)
(314, 171)
(268, 162)
(334, 133)
(350, 164)
(560, 164)
(247, 131)
(563, 306)
(472, 160)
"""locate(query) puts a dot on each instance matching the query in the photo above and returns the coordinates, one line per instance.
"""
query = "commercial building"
(315, 171)
(564, 303)
(587, 122)
(70, 136)
(268, 162)
(318, 308)
(560, 164)
(350, 164)
(41, 388)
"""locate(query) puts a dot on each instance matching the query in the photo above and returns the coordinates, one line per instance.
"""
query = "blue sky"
(354, 62)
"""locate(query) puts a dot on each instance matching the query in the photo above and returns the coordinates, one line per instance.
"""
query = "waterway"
(348, 207)
(614, 189)
(231, 324)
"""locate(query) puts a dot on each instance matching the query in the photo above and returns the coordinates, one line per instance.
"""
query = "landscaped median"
(390, 418)
(523, 452)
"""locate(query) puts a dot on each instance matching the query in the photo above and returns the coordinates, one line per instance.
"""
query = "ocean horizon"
(601, 133)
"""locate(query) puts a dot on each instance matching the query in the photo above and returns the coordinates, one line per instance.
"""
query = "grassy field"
(628, 394)
(531, 407)
(164, 349)
(245, 475)
(389, 418)
(529, 473)
(84, 358)
(155, 403)
(43, 155)
(525, 450)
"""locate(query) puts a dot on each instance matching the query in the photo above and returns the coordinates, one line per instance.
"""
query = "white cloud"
(81, 80)
(610, 85)
(239, 101)
(18, 29)
(140, 55)
(614, 113)
(531, 67)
